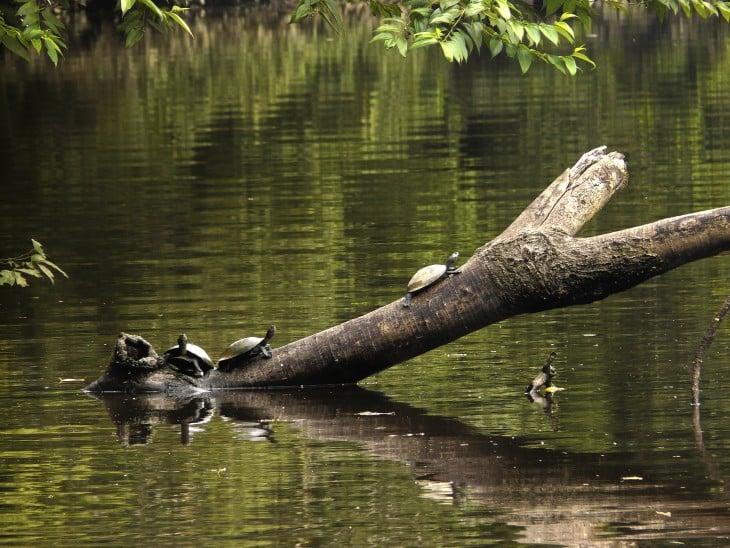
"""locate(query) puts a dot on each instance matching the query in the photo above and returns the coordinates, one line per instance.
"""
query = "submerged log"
(536, 264)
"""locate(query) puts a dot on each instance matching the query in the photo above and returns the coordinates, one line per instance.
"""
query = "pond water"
(268, 173)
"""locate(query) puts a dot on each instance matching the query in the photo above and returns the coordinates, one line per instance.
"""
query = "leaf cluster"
(137, 14)
(326, 9)
(27, 26)
(34, 263)
(514, 28)
(460, 27)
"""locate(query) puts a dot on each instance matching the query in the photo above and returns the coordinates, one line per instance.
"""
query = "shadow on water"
(553, 496)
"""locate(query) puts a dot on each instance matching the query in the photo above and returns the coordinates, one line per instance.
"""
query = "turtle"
(188, 359)
(244, 349)
(545, 377)
(429, 275)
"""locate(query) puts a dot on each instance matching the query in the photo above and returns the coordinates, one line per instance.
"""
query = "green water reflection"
(268, 173)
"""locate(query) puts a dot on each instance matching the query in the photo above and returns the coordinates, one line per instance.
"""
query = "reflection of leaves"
(33, 263)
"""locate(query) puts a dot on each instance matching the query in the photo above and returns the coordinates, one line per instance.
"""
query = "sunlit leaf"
(55, 267)
(47, 272)
(126, 5)
(578, 54)
(152, 7)
(524, 58)
(533, 33)
(724, 10)
(503, 9)
(565, 30)
(570, 65)
(180, 22)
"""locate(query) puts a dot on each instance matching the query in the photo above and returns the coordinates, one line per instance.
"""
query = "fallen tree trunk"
(536, 264)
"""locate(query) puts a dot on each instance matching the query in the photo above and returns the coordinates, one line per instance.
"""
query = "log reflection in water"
(555, 496)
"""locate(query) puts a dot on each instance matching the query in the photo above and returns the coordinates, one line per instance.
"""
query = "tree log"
(536, 264)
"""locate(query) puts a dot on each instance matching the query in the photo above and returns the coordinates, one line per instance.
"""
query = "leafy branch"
(34, 263)
(35, 25)
(139, 13)
(515, 28)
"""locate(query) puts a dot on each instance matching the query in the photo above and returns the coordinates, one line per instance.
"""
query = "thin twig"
(704, 345)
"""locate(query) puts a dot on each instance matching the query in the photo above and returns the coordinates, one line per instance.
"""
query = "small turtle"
(188, 359)
(429, 275)
(545, 377)
(244, 349)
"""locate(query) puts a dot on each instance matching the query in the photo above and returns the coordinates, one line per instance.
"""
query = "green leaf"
(553, 6)
(29, 271)
(16, 46)
(518, 30)
(475, 31)
(126, 5)
(700, 9)
(334, 11)
(423, 42)
(533, 34)
(134, 35)
(47, 272)
(524, 58)
(402, 45)
(153, 8)
(503, 9)
(578, 54)
(550, 33)
(180, 22)
(557, 62)
(52, 51)
(55, 267)
(52, 22)
(684, 4)
(495, 46)
(565, 30)
(724, 10)
(7, 277)
(570, 65)
(27, 9)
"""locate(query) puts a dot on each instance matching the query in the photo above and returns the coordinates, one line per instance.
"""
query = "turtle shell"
(240, 347)
(426, 276)
(194, 350)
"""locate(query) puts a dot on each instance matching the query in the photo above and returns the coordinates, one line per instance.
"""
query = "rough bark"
(536, 264)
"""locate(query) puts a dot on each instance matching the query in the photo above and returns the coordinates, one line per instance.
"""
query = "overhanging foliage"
(523, 30)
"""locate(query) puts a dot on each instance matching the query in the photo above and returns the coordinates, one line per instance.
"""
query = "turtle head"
(270, 332)
(451, 261)
(182, 342)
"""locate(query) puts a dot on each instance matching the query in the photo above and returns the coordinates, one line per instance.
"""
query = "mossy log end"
(536, 264)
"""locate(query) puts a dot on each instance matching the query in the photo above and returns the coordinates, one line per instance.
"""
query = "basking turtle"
(429, 275)
(188, 359)
(244, 349)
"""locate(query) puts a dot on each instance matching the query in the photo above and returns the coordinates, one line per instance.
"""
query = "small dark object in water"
(545, 377)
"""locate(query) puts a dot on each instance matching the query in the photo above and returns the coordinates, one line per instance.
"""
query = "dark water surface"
(265, 173)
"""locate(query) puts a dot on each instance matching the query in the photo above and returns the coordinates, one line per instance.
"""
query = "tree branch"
(535, 264)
